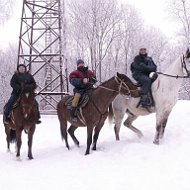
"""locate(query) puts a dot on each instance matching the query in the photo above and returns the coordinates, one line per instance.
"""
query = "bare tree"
(181, 11)
(6, 8)
(94, 24)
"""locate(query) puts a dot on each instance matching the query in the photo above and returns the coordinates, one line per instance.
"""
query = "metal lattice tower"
(41, 48)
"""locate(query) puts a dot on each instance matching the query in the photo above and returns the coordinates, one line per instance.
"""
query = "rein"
(121, 85)
(183, 64)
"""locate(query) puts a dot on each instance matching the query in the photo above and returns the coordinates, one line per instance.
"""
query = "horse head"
(27, 104)
(126, 86)
(186, 62)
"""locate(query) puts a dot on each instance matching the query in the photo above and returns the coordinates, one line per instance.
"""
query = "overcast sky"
(154, 13)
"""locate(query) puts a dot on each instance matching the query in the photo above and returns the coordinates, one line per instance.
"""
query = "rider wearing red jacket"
(82, 79)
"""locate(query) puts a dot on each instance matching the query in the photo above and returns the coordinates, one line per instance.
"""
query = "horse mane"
(123, 76)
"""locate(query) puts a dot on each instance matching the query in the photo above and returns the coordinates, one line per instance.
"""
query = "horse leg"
(161, 121)
(128, 123)
(96, 134)
(89, 139)
(30, 139)
(118, 120)
(71, 131)
(63, 128)
(7, 131)
(19, 142)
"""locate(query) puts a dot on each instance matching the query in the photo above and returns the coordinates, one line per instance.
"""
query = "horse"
(23, 117)
(95, 112)
(165, 93)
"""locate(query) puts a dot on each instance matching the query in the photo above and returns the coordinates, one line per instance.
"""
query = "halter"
(183, 64)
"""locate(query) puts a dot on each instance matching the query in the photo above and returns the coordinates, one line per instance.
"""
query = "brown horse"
(96, 110)
(24, 117)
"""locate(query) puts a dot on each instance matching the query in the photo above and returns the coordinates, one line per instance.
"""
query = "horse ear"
(118, 74)
(187, 52)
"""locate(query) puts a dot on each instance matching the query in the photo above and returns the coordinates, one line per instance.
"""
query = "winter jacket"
(142, 65)
(26, 78)
(77, 76)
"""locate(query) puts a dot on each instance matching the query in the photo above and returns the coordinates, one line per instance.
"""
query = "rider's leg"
(145, 81)
(74, 105)
(9, 107)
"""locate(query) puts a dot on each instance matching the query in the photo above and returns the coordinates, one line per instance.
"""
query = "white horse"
(165, 93)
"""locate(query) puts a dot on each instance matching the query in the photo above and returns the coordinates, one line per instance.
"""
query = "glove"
(85, 80)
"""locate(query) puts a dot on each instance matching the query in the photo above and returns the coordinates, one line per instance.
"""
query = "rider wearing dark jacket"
(141, 68)
(82, 79)
(19, 77)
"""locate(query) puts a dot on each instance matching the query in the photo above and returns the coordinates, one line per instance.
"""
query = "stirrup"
(74, 119)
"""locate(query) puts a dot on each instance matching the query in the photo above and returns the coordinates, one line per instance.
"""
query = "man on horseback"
(141, 68)
(82, 79)
(21, 76)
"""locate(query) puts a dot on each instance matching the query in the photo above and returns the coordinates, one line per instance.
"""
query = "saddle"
(82, 102)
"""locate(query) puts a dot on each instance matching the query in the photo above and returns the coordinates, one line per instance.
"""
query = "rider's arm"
(14, 83)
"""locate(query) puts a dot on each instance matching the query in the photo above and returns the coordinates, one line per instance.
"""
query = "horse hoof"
(140, 135)
(156, 142)
(87, 153)
(18, 158)
(93, 148)
(8, 151)
(30, 157)
(68, 147)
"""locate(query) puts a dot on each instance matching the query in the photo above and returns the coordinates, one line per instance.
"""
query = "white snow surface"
(128, 164)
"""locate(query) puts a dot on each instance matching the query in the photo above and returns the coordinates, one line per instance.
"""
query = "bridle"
(122, 84)
(183, 65)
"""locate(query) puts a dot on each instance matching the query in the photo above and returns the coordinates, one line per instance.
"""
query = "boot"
(7, 117)
(73, 114)
(145, 101)
(7, 120)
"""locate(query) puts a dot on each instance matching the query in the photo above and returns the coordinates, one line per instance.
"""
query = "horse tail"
(62, 120)
(110, 114)
(12, 136)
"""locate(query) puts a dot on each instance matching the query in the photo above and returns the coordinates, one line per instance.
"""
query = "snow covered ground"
(130, 164)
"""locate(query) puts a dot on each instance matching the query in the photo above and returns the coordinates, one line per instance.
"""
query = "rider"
(20, 76)
(141, 68)
(82, 79)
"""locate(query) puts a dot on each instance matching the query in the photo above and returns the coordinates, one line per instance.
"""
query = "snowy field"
(130, 164)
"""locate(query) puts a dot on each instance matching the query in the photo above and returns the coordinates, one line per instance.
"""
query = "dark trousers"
(9, 105)
(146, 82)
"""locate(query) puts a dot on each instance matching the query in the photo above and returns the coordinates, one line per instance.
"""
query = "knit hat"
(142, 47)
(79, 61)
(21, 65)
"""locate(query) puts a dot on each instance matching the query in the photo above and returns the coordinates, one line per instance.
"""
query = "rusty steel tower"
(41, 49)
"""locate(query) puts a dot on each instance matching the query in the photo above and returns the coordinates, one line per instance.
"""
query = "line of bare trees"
(107, 35)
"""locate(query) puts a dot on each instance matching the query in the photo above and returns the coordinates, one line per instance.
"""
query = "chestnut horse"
(23, 117)
(96, 110)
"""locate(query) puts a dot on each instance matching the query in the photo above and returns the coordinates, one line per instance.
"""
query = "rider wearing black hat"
(20, 76)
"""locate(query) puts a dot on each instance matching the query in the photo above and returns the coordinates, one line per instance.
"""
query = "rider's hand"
(85, 80)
